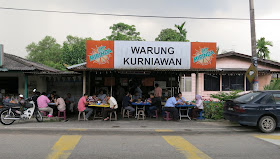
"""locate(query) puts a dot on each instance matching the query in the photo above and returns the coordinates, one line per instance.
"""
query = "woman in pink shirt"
(60, 103)
(82, 106)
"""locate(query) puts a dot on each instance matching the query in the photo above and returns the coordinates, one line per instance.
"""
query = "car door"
(267, 105)
(276, 97)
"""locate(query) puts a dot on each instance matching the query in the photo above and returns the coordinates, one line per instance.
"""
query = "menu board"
(109, 81)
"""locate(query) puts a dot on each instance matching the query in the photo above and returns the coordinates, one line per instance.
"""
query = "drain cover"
(115, 126)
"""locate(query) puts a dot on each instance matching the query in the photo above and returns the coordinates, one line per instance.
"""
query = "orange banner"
(100, 54)
(203, 55)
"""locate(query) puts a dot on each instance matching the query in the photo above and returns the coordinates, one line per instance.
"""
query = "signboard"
(251, 73)
(203, 55)
(152, 55)
(1, 54)
(145, 55)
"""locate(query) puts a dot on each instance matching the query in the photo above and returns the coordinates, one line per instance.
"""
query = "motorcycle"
(12, 112)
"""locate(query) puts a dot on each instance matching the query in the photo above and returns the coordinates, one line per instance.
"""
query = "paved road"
(161, 144)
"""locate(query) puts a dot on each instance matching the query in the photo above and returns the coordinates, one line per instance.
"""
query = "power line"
(128, 15)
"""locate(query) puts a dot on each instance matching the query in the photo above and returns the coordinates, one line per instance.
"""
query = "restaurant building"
(187, 67)
(21, 76)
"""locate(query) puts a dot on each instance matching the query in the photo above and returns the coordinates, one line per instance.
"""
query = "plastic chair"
(115, 113)
(142, 113)
(84, 114)
(156, 114)
(125, 113)
(201, 115)
(167, 118)
(64, 114)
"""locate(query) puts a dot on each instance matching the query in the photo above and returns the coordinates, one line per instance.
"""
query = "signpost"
(251, 73)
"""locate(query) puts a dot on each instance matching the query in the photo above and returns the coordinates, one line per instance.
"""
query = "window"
(211, 82)
(277, 98)
(186, 84)
(234, 82)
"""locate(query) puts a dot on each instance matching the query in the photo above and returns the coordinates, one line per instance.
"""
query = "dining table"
(102, 106)
(140, 106)
(184, 108)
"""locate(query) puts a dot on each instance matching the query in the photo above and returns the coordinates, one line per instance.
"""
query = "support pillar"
(196, 83)
(84, 82)
(25, 86)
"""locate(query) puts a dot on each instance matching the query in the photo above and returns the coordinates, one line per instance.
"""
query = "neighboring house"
(230, 75)
(21, 76)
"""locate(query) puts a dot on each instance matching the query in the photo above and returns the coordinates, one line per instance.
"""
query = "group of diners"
(153, 104)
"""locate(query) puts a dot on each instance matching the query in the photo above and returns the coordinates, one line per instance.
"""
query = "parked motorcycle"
(13, 112)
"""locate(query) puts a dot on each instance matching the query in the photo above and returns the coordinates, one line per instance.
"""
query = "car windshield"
(247, 97)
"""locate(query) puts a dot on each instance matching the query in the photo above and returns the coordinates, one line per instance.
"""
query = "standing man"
(170, 107)
(42, 102)
(113, 106)
(82, 106)
(158, 91)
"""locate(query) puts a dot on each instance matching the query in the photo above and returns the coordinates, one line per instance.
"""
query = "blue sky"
(18, 28)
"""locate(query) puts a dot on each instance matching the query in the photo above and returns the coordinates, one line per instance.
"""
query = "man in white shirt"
(113, 106)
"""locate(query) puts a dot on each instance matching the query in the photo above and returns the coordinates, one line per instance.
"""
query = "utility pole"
(253, 44)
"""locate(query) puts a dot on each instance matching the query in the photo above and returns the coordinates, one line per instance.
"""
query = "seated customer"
(170, 107)
(42, 102)
(198, 106)
(92, 99)
(126, 102)
(69, 100)
(60, 103)
(101, 95)
(82, 106)
(181, 99)
(155, 104)
(113, 106)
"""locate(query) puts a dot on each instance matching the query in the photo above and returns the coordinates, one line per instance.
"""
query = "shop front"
(124, 65)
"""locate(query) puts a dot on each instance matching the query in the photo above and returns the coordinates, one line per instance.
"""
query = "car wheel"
(267, 124)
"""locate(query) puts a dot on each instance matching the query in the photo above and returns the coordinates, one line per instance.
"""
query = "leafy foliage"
(223, 96)
(74, 50)
(47, 52)
(122, 31)
(262, 48)
(213, 110)
(274, 85)
(173, 35)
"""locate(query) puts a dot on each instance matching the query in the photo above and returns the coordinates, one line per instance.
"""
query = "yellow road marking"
(275, 137)
(77, 129)
(64, 146)
(186, 148)
(163, 130)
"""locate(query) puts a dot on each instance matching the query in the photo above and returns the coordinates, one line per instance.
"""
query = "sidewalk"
(124, 126)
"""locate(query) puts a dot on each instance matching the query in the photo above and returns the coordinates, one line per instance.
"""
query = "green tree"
(122, 31)
(74, 50)
(47, 52)
(169, 34)
(262, 48)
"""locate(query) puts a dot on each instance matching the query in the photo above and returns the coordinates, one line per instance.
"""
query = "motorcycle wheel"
(38, 116)
(4, 113)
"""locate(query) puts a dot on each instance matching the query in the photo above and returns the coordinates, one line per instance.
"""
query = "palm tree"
(262, 48)
(182, 31)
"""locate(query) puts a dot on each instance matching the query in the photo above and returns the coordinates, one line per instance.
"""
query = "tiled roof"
(236, 54)
(16, 63)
